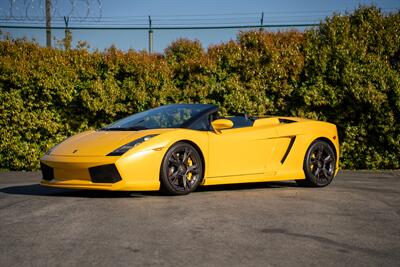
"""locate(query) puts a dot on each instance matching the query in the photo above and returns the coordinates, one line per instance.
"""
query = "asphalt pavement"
(355, 221)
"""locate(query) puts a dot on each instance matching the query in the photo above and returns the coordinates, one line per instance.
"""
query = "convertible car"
(175, 148)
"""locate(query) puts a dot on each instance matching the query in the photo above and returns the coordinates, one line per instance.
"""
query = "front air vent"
(47, 172)
(104, 174)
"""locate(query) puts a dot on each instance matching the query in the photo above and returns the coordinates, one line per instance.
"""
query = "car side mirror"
(221, 124)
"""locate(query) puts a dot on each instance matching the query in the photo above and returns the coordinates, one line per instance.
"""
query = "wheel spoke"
(328, 159)
(174, 159)
(185, 182)
(173, 176)
(325, 173)
(317, 171)
(186, 155)
(320, 150)
(192, 168)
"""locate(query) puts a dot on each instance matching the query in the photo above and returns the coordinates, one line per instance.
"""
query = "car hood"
(99, 143)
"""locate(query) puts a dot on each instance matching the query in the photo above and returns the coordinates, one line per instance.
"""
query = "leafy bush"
(351, 77)
(346, 71)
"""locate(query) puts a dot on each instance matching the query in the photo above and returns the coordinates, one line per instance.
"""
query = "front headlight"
(121, 150)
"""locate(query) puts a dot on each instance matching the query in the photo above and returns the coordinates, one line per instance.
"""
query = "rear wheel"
(181, 169)
(319, 165)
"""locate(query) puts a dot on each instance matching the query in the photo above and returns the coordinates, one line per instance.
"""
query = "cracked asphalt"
(353, 222)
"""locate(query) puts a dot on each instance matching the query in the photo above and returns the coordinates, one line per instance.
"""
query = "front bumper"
(99, 173)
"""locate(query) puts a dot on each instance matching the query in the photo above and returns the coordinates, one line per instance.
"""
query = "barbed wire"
(34, 10)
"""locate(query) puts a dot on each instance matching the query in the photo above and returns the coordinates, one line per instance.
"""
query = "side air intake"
(288, 149)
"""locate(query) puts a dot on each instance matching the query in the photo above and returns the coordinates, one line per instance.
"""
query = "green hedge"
(346, 71)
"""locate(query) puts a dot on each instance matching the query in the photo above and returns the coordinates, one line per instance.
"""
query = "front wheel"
(319, 164)
(181, 170)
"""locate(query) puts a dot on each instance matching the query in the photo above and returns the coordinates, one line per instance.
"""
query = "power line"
(182, 20)
(162, 22)
(190, 16)
(176, 22)
(167, 28)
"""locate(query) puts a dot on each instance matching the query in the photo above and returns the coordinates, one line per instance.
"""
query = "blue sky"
(168, 13)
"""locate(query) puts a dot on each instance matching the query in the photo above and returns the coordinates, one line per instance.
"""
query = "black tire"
(181, 169)
(319, 165)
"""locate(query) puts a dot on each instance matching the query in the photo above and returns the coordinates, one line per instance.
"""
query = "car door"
(240, 151)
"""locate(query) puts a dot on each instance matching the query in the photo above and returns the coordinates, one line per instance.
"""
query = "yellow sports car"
(178, 147)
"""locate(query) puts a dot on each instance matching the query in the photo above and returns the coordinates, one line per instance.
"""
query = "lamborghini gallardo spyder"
(175, 148)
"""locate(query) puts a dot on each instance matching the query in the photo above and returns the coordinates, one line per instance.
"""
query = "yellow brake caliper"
(189, 163)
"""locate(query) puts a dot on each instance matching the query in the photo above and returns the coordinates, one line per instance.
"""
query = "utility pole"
(48, 23)
(150, 37)
(68, 35)
(262, 21)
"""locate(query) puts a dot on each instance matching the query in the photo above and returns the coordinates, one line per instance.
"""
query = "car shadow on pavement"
(38, 190)
(247, 186)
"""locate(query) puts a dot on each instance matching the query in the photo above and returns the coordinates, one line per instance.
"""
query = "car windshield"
(169, 116)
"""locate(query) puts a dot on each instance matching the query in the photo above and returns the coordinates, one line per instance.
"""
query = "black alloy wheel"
(319, 164)
(181, 169)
